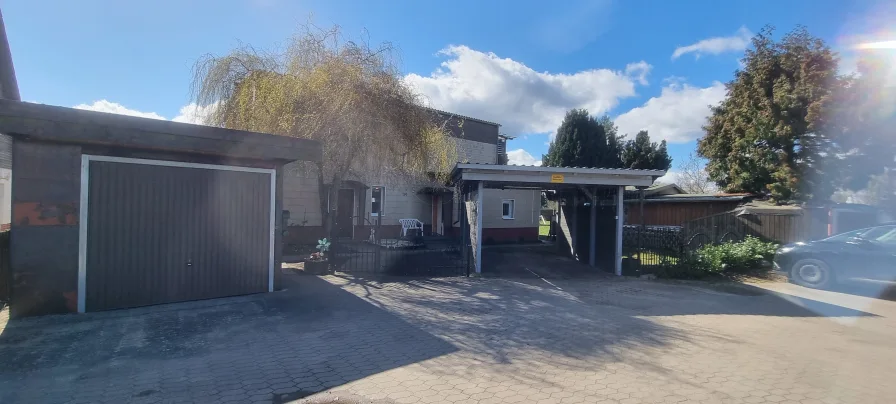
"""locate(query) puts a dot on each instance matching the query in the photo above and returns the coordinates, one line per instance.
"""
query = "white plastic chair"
(410, 224)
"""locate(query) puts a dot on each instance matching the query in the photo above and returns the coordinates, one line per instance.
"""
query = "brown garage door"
(162, 234)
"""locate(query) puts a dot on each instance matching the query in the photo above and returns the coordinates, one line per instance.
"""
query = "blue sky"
(652, 65)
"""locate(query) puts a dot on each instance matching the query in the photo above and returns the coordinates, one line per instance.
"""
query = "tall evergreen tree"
(583, 141)
(641, 153)
(771, 134)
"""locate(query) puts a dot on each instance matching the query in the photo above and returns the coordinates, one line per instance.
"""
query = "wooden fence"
(663, 245)
(728, 226)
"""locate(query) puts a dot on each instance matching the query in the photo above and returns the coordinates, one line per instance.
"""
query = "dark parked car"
(859, 254)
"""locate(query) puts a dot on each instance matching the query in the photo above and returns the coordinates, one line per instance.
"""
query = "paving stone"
(461, 340)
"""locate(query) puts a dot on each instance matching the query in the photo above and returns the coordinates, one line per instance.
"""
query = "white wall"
(401, 202)
(300, 190)
(527, 204)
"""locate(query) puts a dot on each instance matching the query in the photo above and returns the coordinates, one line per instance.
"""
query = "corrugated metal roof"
(469, 118)
(696, 198)
(595, 169)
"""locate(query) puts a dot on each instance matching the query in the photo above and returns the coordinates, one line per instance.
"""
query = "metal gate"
(378, 249)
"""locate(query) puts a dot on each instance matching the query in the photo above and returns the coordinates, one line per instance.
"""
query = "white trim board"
(83, 217)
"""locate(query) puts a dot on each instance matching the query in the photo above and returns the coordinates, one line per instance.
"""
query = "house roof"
(693, 198)
(468, 118)
(768, 208)
(69, 125)
(554, 177)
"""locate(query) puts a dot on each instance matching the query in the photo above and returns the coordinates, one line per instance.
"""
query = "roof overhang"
(508, 176)
(68, 125)
(685, 198)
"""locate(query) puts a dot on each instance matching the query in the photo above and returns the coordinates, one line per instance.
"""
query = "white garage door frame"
(82, 221)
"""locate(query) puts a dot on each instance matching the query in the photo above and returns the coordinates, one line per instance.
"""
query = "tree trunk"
(325, 195)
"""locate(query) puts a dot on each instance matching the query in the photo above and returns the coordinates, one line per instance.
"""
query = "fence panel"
(652, 246)
(410, 254)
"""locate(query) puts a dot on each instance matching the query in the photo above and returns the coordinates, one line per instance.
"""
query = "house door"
(447, 220)
(345, 206)
(437, 227)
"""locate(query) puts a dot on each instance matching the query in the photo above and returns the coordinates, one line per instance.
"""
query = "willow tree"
(346, 94)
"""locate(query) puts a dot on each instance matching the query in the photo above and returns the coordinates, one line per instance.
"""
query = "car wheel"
(812, 273)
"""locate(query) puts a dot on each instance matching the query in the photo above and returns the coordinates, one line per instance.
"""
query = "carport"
(570, 183)
(112, 211)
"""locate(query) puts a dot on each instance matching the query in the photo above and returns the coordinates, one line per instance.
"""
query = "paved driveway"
(467, 341)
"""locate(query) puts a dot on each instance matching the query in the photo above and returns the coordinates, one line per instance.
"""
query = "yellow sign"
(557, 178)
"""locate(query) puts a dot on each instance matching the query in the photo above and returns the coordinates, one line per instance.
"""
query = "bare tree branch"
(693, 178)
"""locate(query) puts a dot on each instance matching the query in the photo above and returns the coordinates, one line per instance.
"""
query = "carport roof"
(69, 125)
(552, 177)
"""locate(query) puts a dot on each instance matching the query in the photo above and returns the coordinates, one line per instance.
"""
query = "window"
(883, 235)
(846, 236)
(377, 201)
(507, 209)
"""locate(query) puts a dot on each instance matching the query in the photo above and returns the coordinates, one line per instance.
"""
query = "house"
(509, 215)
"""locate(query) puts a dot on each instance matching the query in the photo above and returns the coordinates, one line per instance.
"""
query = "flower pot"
(317, 267)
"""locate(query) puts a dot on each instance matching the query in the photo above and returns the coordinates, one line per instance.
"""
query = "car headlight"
(785, 250)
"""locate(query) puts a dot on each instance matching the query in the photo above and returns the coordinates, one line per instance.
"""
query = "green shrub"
(741, 256)
(688, 266)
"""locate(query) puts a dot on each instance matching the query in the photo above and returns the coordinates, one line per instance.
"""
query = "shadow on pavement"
(277, 346)
(534, 261)
(514, 323)
(867, 288)
(541, 262)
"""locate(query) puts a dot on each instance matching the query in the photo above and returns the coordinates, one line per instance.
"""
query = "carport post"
(620, 217)
(593, 236)
(479, 227)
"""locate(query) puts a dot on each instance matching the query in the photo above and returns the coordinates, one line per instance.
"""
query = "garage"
(164, 232)
(113, 212)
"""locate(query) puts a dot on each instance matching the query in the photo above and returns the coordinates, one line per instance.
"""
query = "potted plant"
(318, 263)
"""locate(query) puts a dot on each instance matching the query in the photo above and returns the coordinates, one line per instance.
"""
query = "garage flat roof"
(69, 125)
(553, 177)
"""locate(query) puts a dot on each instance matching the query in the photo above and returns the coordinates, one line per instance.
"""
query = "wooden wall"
(673, 213)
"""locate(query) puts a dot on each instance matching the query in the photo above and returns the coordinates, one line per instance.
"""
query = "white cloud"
(523, 100)
(676, 115)
(640, 70)
(193, 113)
(671, 177)
(115, 108)
(716, 45)
(190, 113)
(521, 157)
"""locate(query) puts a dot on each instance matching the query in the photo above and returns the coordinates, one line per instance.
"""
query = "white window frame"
(382, 201)
(512, 203)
